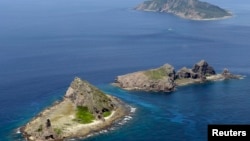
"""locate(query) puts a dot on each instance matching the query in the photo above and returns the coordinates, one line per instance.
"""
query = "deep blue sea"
(44, 44)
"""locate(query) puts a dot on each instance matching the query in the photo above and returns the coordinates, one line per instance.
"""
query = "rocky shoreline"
(58, 123)
(187, 9)
(166, 79)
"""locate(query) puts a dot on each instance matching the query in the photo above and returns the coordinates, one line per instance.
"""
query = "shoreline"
(100, 126)
(188, 18)
(213, 78)
(77, 130)
(166, 79)
(116, 123)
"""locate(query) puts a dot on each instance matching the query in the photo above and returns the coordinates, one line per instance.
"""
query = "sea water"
(45, 44)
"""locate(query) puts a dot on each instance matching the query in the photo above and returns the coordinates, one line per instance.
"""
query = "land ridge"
(166, 79)
(188, 9)
(84, 110)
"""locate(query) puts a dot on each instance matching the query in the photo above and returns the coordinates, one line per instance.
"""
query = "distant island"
(165, 79)
(188, 9)
(84, 110)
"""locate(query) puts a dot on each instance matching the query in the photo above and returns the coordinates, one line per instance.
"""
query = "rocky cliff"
(165, 78)
(84, 110)
(189, 9)
(81, 93)
(161, 78)
(199, 71)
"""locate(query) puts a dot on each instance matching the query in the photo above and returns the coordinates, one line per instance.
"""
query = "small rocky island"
(83, 110)
(188, 9)
(165, 79)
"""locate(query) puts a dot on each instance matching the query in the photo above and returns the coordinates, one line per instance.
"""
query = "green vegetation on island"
(159, 73)
(165, 78)
(58, 131)
(106, 114)
(189, 9)
(83, 115)
(83, 110)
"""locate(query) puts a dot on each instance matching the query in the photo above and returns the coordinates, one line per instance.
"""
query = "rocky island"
(83, 110)
(166, 79)
(188, 9)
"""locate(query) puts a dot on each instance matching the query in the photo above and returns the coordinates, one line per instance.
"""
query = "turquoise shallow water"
(45, 44)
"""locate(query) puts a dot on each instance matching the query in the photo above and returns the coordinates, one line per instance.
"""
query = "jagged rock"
(227, 75)
(63, 120)
(48, 124)
(186, 73)
(200, 70)
(189, 9)
(46, 133)
(160, 79)
(165, 79)
(84, 94)
(203, 69)
(49, 137)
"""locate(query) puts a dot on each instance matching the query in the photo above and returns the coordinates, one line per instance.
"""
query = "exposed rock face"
(186, 73)
(227, 75)
(203, 69)
(160, 79)
(43, 132)
(165, 79)
(60, 122)
(199, 71)
(190, 9)
(83, 94)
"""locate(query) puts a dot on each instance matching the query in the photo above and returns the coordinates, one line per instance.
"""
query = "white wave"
(127, 118)
(243, 77)
(112, 128)
(90, 135)
(132, 110)
(18, 131)
(120, 123)
(103, 131)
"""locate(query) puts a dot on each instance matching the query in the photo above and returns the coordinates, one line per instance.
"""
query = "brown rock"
(159, 79)
(227, 75)
(203, 69)
(84, 94)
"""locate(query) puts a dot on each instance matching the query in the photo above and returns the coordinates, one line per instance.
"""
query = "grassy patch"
(107, 113)
(40, 128)
(83, 115)
(156, 74)
(58, 131)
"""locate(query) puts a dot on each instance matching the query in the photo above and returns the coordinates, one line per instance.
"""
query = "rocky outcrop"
(203, 69)
(81, 93)
(186, 73)
(82, 101)
(165, 79)
(199, 71)
(189, 9)
(159, 79)
(228, 75)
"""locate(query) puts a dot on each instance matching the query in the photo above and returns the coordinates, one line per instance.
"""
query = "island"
(188, 9)
(84, 110)
(166, 79)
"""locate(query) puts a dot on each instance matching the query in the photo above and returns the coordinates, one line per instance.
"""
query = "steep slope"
(81, 93)
(159, 79)
(164, 79)
(84, 110)
(189, 9)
